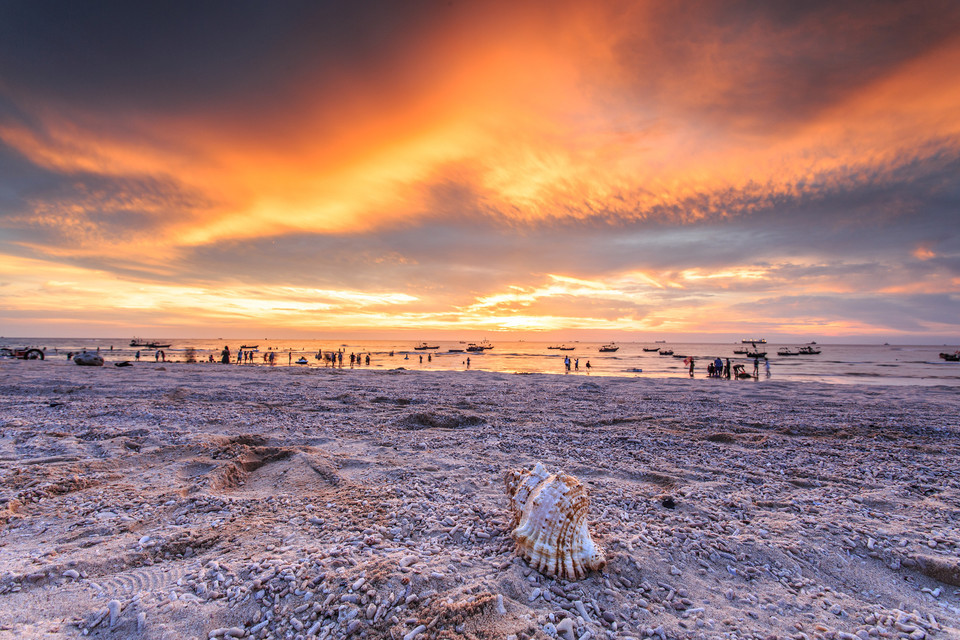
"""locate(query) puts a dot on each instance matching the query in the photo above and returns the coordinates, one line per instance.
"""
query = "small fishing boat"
(786, 351)
(250, 346)
(607, 348)
(648, 349)
(423, 346)
(666, 352)
(808, 351)
(951, 357)
(301, 360)
(756, 354)
(137, 342)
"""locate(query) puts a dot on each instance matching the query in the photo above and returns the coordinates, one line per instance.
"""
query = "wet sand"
(197, 501)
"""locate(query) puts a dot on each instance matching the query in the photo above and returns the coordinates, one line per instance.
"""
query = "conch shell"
(550, 523)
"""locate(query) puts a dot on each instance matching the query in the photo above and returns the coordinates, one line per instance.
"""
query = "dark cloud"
(762, 66)
(911, 313)
(167, 56)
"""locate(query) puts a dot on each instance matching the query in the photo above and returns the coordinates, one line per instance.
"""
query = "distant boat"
(951, 357)
(479, 348)
(249, 346)
(808, 351)
(786, 351)
(609, 348)
(424, 346)
(754, 341)
(454, 350)
(660, 341)
(666, 352)
(137, 342)
(756, 354)
(651, 348)
(741, 351)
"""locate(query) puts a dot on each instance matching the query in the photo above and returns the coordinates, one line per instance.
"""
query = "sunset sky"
(608, 170)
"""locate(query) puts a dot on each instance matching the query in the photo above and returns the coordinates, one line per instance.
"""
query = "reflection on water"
(837, 364)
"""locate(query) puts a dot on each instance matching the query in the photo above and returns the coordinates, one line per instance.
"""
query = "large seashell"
(550, 523)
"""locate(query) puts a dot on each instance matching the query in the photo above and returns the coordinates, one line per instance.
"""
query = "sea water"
(837, 363)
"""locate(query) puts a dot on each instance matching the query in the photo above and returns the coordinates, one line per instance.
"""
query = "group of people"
(244, 356)
(717, 368)
(158, 356)
(576, 364)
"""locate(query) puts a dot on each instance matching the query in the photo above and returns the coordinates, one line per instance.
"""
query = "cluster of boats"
(749, 352)
(801, 351)
(607, 348)
(473, 347)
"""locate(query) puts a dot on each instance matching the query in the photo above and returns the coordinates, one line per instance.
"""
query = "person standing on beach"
(156, 356)
(468, 362)
(756, 367)
(691, 366)
(137, 357)
(766, 365)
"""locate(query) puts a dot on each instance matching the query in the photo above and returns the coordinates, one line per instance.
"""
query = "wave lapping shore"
(180, 501)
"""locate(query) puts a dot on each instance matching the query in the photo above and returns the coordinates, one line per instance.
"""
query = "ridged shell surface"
(550, 523)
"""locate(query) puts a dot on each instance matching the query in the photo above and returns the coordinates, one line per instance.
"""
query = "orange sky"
(704, 170)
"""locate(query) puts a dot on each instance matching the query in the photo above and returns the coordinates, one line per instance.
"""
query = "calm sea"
(837, 363)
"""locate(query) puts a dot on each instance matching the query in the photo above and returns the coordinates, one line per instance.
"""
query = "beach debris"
(87, 359)
(549, 523)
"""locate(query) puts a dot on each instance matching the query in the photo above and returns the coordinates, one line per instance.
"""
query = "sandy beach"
(196, 501)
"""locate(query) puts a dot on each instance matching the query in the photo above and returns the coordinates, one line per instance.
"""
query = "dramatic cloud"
(622, 166)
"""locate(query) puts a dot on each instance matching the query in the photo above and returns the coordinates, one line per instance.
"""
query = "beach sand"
(196, 501)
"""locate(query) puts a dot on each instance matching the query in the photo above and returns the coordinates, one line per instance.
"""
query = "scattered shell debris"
(196, 501)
